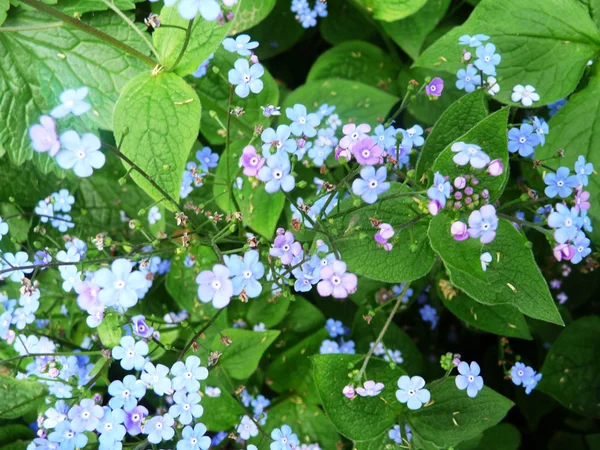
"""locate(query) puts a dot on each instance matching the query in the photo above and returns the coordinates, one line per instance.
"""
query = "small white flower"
(154, 215)
(524, 94)
(492, 86)
(213, 391)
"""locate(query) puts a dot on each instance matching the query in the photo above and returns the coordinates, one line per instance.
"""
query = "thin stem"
(32, 355)
(382, 199)
(44, 26)
(526, 224)
(90, 30)
(132, 25)
(188, 34)
(199, 333)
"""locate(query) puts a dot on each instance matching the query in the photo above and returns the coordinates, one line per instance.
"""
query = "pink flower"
(43, 137)
(563, 251)
(435, 88)
(367, 152)
(345, 152)
(459, 231)
(251, 161)
(385, 232)
(285, 247)
(495, 168)
(353, 134)
(336, 282)
(581, 200)
(460, 182)
(348, 391)
(434, 207)
(370, 389)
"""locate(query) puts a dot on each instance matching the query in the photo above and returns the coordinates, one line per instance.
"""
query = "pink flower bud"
(300, 143)
(485, 193)
(434, 207)
(97, 397)
(460, 182)
(458, 230)
(345, 152)
(41, 433)
(467, 55)
(348, 391)
(457, 205)
(387, 247)
(456, 362)
(563, 251)
(495, 168)
(474, 181)
(254, 59)
(469, 191)
(458, 195)
(10, 337)
(53, 373)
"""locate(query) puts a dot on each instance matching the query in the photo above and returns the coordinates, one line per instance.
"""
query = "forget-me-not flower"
(469, 153)
(207, 159)
(524, 94)
(160, 428)
(71, 102)
(132, 354)
(371, 184)
(440, 190)
(189, 9)
(560, 183)
(279, 139)
(215, 285)
(80, 153)
(541, 129)
(157, 378)
(120, 285)
(411, 391)
(468, 79)
(276, 173)
(483, 224)
(488, 59)
(62, 201)
(186, 407)
(581, 244)
(111, 427)
(302, 122)
(189, 374)
(194, 438)
(246, 79)
(15, 261)
(245, 273)
(472, 41)
(469, 378)
(566, 221)
(240, 44)
(67, 437)
(583, 170)
(85, 416)
(522, 140)
(43, 136)
(284, 439)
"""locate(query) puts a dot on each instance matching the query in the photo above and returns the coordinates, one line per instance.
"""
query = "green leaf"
(512, 278)
(490, 135)
(365, 417)
(503, 320)
(268, 309)
(593, 8)
(249, 14)
(504, 436)
(18, 397)
(10, 434)
(260, 209)
(361, 252)
(225, 411)
(78, 7)
(354, 102)
(540, 28)
(205, 39)
(356, 61)
(240, 359)
(571, 369)
(391, 10)
(38, 65)
(459, 118)
(394, 339)
(410, 33)
(162, 115)
(377, 443)
(578, 137)
(453, 417)
(18, 227)
(4, 5)
(110, 331)
(213, 92)
(344, 22)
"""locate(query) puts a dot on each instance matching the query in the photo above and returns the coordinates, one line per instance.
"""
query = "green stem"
(44, 26)
(33, 355)
(188, 34)
(197, 335)
(90, 30)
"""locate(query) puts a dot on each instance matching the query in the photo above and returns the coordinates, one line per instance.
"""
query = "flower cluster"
(337, 330)
(527, 137)
(245, 77)
(522, 375)
(196, 171)
(306, 15)
(487, 59)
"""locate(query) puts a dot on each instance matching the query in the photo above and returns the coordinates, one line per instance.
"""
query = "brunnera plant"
(285, 225)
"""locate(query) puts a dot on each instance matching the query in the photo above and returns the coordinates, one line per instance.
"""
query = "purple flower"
(581, 200)
(563, 251)
(483, 224)
(352, 134)
(159, 428)
(285, 247)
(411, 392)
(371, 184)
(370, 389)
(367, 152)
(246, 79)
(566, 221)
(71, 102)
(469, 153)
(335, 281)
(140, 327)
(440, 190)
(44, 137)
(85, 416)
(215, 286)
(469, 378)
(459, 231)
(133, 420)
(251, 161)
(435, 87)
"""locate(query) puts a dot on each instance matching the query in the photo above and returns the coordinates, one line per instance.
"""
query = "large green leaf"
(78, 7)
(356, 61)
(365, 258)
(224, 411)
(571, 370)
(459, 118)
(240, 358)
(390, 10)
(513, 277)
(593, 7)
(15, 433)
(410, 33)
(162, 117)
(213, 92)
(109, 331)
(18, 397)
(344, 22)
(578, 137)
(205, 39)
(354, 101)
(36, 66)
(267, 309)
(453, 417)
(249, 14)
(544, 44)
(362, 418)
(504, 436)
(4, 5)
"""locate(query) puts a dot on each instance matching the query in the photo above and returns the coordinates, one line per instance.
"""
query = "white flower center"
(108, 426)
(188, 375)
(254, 161)
(135, 417)
(354, 136)
(286, 248)
(568, 222)
(120, 284)
(216, 285)
(86, 415)
(522, 139)
(278, 174)
(366, 153)
(471, 378)
(130, 353)
(302, 120)
(80, 154)
(486, 59)
(411, 392)
(159, 425)
(193, 441)
(186, 406)
(560, 183)
(472, 150)
(247, 274)
(373, 184)
(246, 78)
(126, 393)
(467, 79)
(432, 88)
(336, 280)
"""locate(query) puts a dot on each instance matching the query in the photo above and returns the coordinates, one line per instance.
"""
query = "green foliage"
(539, 28)
(356, 61)
(240, 358)
(15, 433)
(249, 14)
(504, 436)
(18, 397)
(571, 370)
(411, 256)
(162, 114)
(4, 5)
(110, 331)
(224, 411)
(344, 22)
(390, 10)
(78, 7)
(268, 309)
(453, 417)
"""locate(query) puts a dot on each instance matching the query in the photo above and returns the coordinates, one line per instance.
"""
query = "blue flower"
(469, 153)
(62, 201)
(82, 154)
(186, 407)
(126, 393)
(202, 68)
(260, 403)
(187, 376)
(329, 347)
(541, 129)
(469, 378)
(67, 437)
(303, 123)
(483, 224)
(5, 323)
(521, 374)
(488, 59)
(111, 427)
(371, 184)
(240, 44)
(271, 110)
(245, 273)
(583, 170)
(299, 5)
(586, 223)
(429, 314)
(415, 135)
(132, 354)
(335, 328)
(395, 435)
(468, 79)
(56, 414)
(194, 439)
(85, 416)
(566, 221)
(560, 183)
(157, 378)
(14, 261)
(247, 428)
(44, 209)
(523, 140)
(318, 155)
(276, 173)
(72, 102)
(385, 137)
(411, 391)
(440, 190)
(473, 41)
(556, 106)
(284, 439)
(79, 246)
(208, 9)
(159, 428)
(348, 348)
(22, 317)
(62, 222)
(582, 248)
(119, 284)
(321, 9)
(207, 159)
(279, 139)
(532, 383)
(246, 79)
(307, 18)
(326, 139)
(325, 110)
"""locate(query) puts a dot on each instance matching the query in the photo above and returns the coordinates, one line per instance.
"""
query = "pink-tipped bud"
(457, 205)
(97, 398)
(41, 433)
(495, 168)
(53, 373)
(300, 143)
(485, 193)
(460, 182)
(345, 152)
(467, 55)
(474, 181)
(386, 231)
(254, 59)
(387, 247)
(564, 251)
(348, 391)
(469, 191)
(434, 207)
(456, 362)
(458, 195)
(459, 231)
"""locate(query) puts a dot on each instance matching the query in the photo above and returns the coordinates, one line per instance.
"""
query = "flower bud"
(458, 195)
(434, 207)
(458, 230)
(469, 191)
(254, 59)
(563, 251)
(348, 391)
(300, 142)
(495, 168)
(460, 182)
(485, 193)
(467, 55)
